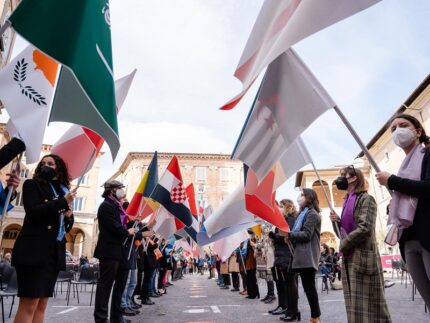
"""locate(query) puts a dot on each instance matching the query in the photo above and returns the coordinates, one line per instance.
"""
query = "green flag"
(77, 34)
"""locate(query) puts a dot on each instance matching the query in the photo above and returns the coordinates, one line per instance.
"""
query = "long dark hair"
(424, 139)
(61, 169)
(311, 199)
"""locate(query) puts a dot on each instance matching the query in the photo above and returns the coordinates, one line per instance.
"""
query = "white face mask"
(119, 193)
(403, 137)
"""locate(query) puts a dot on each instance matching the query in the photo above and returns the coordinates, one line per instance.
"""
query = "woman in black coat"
(39, 252)
(285, 278)
(410, 206)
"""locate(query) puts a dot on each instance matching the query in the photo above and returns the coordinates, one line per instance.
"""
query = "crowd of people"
(136, 265)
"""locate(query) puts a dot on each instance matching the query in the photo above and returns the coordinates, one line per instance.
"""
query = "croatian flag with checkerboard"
(170, 193)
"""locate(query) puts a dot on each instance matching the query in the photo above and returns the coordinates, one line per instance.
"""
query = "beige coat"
(224, 267)
(233, 265)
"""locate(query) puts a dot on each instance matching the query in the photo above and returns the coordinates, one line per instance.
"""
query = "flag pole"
(9, 197)
(357, 139)
(335, 224)
(87, 166)
(5, 27)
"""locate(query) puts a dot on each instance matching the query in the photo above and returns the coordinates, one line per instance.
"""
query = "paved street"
(198, 299)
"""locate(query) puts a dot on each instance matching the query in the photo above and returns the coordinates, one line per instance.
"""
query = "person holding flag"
(109, 250)
(410, 205)
(362, 275)
(48, 216)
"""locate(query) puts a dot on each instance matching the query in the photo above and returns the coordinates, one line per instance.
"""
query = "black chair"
(88, 276)
(64, 276)
(395, 266)
(11, 290)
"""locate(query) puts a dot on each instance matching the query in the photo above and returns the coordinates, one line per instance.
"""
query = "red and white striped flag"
(280, 25)
(79, 146)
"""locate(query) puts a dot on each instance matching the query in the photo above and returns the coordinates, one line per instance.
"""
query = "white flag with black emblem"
(27, 85)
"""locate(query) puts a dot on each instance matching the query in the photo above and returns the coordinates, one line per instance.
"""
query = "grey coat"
(307, 242)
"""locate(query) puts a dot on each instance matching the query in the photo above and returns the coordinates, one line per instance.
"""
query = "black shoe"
(153, 295)
(280, 311)
(135, 306)
(265, 298)
(251, 297)
(271, 311)
(128, 312)
(235, 290)
(270, 299)
(147, 301)
(291, 318)
(225, 287)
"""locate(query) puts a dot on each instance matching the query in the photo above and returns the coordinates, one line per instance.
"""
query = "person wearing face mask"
(362, 275)
(410, 204)
(285, 278)
(109, 250)
(48, 216)
(305, 235)
(251, 266)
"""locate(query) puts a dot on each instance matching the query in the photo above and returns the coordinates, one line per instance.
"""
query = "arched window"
(338, 195)
(316, 186)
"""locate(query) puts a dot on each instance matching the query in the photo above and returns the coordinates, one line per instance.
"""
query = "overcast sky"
(186, 52)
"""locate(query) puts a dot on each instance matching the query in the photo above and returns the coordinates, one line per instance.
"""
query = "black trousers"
(226, 278)
(109, 273)
(270, 288)
(243, 276)
(147, 275)
(161, 274)
(307, 276)
(138, 288)
(118, 290)
(281, 287)
(251, 283)
(235, 279)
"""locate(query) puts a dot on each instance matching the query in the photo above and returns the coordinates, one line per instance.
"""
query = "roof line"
(424, 84)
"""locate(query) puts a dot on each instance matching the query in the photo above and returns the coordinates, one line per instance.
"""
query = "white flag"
(27, 86)
(226, 246)
(281, 24)
(165, 224)
(289, 100)
(231, 212)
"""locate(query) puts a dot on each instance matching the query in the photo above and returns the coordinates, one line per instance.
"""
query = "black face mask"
(341, 183)
(47, 173)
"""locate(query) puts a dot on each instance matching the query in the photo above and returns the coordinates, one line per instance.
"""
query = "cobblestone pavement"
(198, 299)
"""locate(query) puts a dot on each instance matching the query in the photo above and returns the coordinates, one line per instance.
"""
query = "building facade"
(81, 239)
(214, 176)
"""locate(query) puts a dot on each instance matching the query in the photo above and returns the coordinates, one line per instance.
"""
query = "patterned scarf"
(62, 228)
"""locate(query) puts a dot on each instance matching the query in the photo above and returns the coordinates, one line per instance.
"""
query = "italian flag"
(80, 146)
(76, 33)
